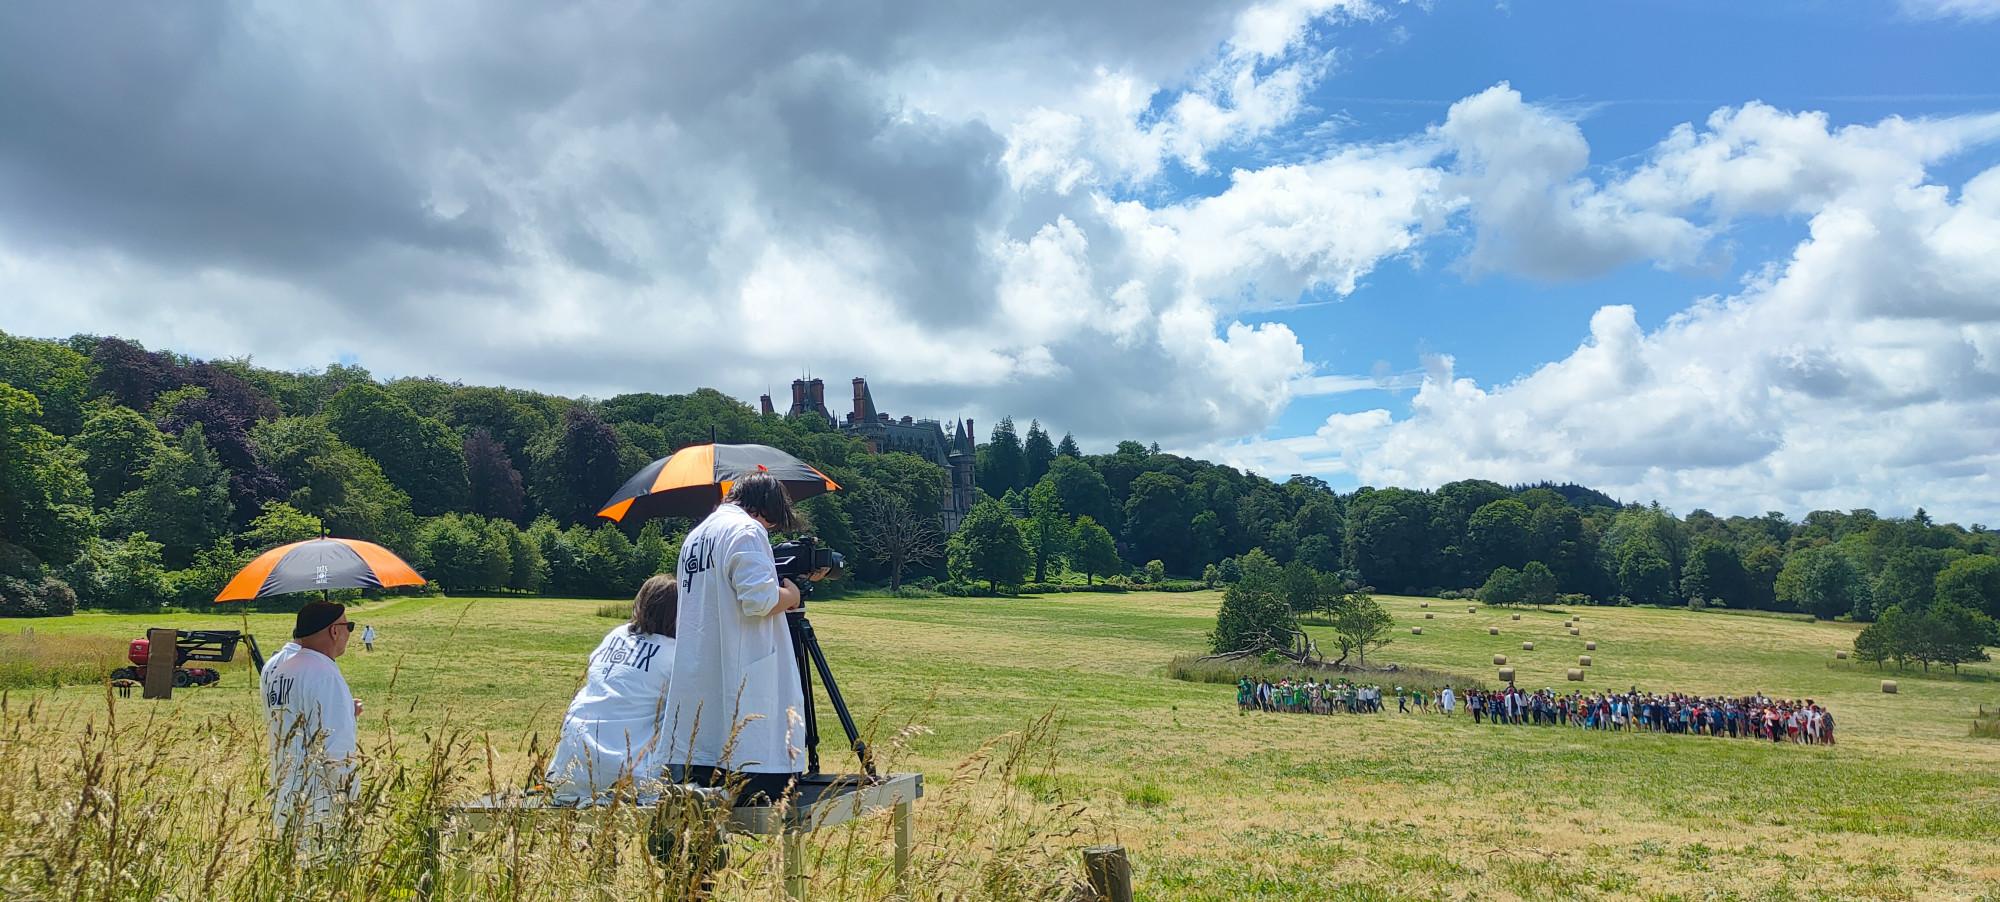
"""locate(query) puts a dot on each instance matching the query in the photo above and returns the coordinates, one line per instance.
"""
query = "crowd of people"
(1314, 697)
(1741, 717)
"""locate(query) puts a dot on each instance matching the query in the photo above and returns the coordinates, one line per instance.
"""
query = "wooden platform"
(823, 800)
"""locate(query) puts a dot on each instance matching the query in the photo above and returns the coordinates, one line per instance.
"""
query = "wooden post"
(1110, 873)
(160, 654)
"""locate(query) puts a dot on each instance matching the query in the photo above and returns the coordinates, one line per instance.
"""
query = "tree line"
(132, 478)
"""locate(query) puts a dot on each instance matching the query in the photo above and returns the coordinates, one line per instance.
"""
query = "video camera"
(803, 555)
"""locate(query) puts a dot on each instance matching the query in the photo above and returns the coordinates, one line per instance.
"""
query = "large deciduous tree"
(1256, 614)
(576, 468)
(1095, 553)
(57, 376)
(44, 496)
(117, 444)
(1081, 489)
(493, 485)
(1389, 539)
(1504, 586)
(1498, 535)
(1360, 624)
(1048, 530)
(420, 455)
(1822, 582)
(182, 501)
(334, 482)
(893, 534)
(1156, 519)
(988, 546)
(1971, 582)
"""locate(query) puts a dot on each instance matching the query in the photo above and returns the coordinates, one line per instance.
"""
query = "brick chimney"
(816, 390)
(860, 400)
(971, 437)
(798, 395)
(764, 404)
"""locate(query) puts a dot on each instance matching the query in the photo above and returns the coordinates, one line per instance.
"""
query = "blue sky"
(1629, 73)
(1739, 256)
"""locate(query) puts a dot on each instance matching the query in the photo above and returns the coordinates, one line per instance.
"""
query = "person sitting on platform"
(611, 733)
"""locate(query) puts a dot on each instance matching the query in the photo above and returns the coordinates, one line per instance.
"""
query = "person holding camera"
(735, 707)
(611, 732)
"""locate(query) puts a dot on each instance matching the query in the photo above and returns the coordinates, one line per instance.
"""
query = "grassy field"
(1215, 804)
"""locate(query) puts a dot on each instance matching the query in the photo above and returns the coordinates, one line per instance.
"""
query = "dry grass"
(1216, 804)
(32, 660)
(109, 800)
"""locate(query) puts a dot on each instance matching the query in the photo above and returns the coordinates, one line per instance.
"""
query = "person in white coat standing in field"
(1447, 700)
(611, 733)
(312, 727)
(734, 672)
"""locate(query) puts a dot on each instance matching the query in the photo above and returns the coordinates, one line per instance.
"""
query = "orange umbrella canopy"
(320, 564)
(691, 481)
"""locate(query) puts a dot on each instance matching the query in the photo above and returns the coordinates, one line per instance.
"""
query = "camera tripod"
(805, 647)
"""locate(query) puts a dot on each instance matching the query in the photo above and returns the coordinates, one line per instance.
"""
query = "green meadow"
(1211, 803)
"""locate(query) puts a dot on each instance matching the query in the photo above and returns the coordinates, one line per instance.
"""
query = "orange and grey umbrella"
(691, 481)
(319, 565)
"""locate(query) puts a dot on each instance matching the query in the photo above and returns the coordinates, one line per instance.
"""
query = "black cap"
(317, 616)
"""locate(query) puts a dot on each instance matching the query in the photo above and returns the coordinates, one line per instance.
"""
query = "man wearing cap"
(312, 729)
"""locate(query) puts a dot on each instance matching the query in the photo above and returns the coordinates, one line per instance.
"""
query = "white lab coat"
(312, 737)
(733, 659)
(1447, 700)
(611, 730)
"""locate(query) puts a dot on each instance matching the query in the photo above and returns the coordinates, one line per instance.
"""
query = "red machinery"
(211, 646)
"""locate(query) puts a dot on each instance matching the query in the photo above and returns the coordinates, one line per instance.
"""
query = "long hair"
(656, 606)
(762, 495)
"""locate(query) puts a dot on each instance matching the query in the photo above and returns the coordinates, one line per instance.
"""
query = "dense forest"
(134, 479)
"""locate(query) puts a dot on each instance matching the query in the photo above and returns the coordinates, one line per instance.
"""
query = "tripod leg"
(802, 640)
(811, 640)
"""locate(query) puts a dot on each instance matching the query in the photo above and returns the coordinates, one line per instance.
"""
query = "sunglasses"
(351, 625)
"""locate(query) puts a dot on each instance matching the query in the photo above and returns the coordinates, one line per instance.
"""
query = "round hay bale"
(1416, 631)
(1427, 615)
(1575, 675)
(1499, 659)
(1527, 646)
(1583, 660)
(1589, 646)
(1493, 631)
(1889, 687)
(1517, 616)
(1506, 674)
(1840, 655)
(1574, 631)
(1471, 610)
(1423, 604)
